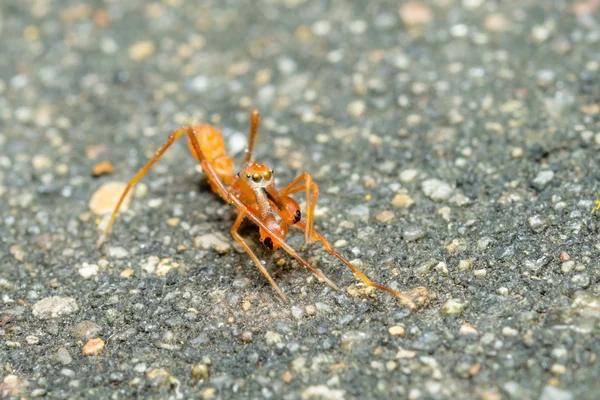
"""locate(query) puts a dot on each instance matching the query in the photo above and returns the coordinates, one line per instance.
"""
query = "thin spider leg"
(404, 298)
(172, 138)
(211, 174)
(298, 188)
(254, 124)
(242, 242)
(297, 185)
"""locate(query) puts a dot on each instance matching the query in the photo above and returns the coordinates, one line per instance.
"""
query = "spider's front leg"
(172, 138)
(420, 293)
(304, 182)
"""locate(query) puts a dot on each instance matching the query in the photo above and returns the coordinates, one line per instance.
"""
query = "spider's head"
(257, 175)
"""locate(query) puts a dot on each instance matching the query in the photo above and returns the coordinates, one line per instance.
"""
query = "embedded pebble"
(403, 354)
(297, 312)
(508, 331)
(357, 108)
(142, 50)
(396, 330)
(480, 273)
(287, 377)
(558, 369)
(436, 190)
(413, 233)
(408, 175)
(385, 216)
(496, 22)
(464, 265)
(150, 265)
(200, 371)
(173, 222)
(103, 168)
(31, 339)
(537, 223)
(554, 393)
(453, 307)
(298, 365)
(159, 376)
(88, 270)
(322, 392)
(209, 393)
(18, 253)
(442, 268)
(87, 329)
(543, 178)
(39, 392)
(164, 266)
(127, 273)
(63, 356)
(354, 339)
(215, 241)
(467, 329)
(105, 199)
(540, 33)
(273, 338)
(41, 162)
(402, 200)
(118, 252)
(567, 267)
(12, 385)
(484, 242)
(324, 308)
(246, 336)
(415, 13)
(359, 213)
(340, 243)
(54, 307)
(93, 347)
(517, 152)
(456, 246)
(444, 212)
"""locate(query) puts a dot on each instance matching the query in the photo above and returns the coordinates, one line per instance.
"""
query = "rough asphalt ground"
(456, 147)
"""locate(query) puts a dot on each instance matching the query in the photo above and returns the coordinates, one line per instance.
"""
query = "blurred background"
(455, 143)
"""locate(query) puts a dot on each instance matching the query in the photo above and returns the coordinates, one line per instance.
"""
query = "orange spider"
(253, 193)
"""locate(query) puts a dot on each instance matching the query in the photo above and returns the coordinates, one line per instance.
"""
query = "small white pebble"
(273, 338)
(357, 108)
(508, 331)
(558, 369)
(41, 162)
(408, 175)
(155, 203)
(88, 270)
(117, 252)
(31, 339)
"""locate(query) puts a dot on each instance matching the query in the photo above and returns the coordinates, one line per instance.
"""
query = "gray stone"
(436, 190)
(55, 307)
(553, 393)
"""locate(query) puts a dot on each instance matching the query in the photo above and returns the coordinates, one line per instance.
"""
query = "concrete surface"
(456, 147)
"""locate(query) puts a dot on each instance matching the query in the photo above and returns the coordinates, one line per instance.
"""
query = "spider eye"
(248, 176)
(256, 177)
(267, 175)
